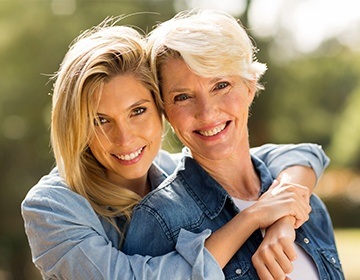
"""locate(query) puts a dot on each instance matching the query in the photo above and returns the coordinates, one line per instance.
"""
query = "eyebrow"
(136, 104)
(177, 90)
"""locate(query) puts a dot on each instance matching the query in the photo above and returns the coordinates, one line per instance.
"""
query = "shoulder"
(171, 191)
(172, 198)
(167, 162)
(52, 193)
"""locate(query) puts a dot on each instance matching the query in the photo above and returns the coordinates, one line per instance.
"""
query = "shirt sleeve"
(68, 241)
(155, 239)
(279, 157)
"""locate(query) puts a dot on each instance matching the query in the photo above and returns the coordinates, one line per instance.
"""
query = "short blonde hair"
(210, 42)
(94, 58)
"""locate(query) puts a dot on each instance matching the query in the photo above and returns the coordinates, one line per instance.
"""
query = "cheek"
(98, 145)
(153, 131)
(176, 115)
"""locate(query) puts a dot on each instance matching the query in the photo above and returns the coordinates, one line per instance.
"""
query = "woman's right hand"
(280, 200)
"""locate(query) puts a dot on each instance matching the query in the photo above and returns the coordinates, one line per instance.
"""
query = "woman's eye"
(221, 85)
(138, 111)
(100, 121)
(181, 97)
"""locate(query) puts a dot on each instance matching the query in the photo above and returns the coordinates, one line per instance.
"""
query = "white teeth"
(130, 156)
(212, 132)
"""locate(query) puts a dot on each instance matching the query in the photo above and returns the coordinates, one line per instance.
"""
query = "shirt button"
(306, 241)
(333, 260)
(238, 271)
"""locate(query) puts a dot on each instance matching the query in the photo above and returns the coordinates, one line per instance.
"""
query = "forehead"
(176, 69)
(121, 92)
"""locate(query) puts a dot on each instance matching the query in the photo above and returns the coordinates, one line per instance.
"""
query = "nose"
(206, 108)
(122, 135)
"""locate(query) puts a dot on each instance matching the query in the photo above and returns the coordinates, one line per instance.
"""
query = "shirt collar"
(156, 175)
(207, 192)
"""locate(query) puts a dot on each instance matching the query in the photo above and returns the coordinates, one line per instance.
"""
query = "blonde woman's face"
(128, 132)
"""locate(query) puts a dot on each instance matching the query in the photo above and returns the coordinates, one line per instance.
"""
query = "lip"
(129, 158)
(213, 132)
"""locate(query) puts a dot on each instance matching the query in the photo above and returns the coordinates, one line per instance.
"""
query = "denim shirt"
(192, 200)
(68, 240)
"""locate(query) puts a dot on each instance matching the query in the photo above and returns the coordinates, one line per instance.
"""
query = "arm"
(153, 232)
(303, 164)
(275, 254)
(68, 241)
(270, 207)
(223, 243)
(280, 157)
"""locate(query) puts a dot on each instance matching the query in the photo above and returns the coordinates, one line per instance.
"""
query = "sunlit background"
(311, 47)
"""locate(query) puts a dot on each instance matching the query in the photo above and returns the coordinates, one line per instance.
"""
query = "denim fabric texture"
(69, 240)
(192, 200)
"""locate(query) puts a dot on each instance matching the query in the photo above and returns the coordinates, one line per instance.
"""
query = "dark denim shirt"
(192, 200)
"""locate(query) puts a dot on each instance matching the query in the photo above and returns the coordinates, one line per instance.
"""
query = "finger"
(290, 252)
(275, 270)
(304, 212)
(285, 257)
(261, 269)
(302, 190)
(271, 260)
(274, 184)
(280, 252)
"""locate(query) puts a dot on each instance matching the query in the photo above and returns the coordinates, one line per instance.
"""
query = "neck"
(141, 185)
(236, 175)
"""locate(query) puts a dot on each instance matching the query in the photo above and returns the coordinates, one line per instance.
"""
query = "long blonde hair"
(95, 57)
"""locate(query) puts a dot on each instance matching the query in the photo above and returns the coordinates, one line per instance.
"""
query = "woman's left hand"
(273, 259)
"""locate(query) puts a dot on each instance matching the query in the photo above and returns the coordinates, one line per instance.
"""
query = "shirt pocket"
(332, 264)
(239, 270)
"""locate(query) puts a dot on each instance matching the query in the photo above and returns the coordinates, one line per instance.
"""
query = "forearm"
(301, 175)
(278, 202)
(278, 244)
(280, 157)
(226, 241)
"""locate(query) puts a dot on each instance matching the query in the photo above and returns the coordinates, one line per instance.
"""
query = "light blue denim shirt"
(192, 200)
(69, 240)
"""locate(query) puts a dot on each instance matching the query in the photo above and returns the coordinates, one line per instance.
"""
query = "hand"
(273, 259)
(305, 192)
(279, 201)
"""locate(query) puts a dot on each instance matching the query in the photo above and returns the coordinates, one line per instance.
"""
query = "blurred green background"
(312, 49)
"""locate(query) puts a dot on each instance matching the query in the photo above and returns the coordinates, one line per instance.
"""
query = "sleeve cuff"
(192, 248)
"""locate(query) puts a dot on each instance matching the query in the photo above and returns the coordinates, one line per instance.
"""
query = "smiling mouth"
(130, 156)
(214, 131)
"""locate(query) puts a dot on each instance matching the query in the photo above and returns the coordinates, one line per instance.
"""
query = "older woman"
(208, 79)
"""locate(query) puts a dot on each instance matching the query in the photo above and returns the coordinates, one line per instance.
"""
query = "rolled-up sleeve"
(190, 260)
(192, 247)
(280, 157)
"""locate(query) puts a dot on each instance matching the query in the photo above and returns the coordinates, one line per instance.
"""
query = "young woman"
(106, 133)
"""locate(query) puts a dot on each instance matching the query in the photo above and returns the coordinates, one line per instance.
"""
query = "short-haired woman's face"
(128, 130)
(209, 115)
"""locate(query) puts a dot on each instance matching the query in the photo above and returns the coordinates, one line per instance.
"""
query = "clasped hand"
(287, 205)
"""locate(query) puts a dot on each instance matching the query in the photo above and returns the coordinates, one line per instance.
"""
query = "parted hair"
(93, 59)
(211, 43)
